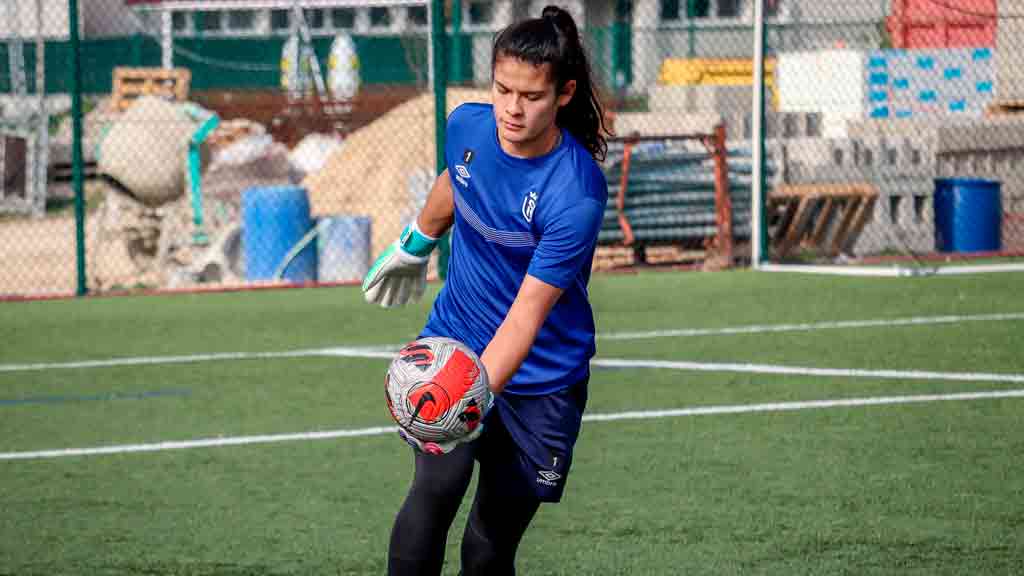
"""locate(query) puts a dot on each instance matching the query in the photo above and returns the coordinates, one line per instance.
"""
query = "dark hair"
(554, 39)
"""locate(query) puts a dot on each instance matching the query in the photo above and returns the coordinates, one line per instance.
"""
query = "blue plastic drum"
(274, 221)
(968, 215)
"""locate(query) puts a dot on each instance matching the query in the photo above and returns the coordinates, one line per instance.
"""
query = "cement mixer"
(157, 151)
(157, 147)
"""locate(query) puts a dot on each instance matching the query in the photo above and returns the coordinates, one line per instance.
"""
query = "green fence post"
(440, 109)
(458, 66)
(76, 146)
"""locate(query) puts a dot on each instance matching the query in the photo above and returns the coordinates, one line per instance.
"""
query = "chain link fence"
(236, 144)
(250, 143)
(916, 154)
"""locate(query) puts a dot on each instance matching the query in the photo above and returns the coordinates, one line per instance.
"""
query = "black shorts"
(527, 441)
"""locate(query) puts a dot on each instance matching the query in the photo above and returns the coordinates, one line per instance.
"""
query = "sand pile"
(383, 167)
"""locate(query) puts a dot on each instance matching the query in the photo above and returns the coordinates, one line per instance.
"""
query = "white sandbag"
(311, 154)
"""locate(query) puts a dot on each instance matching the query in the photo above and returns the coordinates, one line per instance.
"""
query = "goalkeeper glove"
(400, 274)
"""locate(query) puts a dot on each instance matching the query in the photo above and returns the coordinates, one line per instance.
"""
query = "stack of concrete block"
(903, 157)
(698, 98)
(777, 125)
(664, 123)
(901, 167)
(1009, 43)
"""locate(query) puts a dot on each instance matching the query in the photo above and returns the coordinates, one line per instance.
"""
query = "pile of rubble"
(385, 169)
(148, 217)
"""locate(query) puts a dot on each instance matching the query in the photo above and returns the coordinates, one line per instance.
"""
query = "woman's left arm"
(513, 339)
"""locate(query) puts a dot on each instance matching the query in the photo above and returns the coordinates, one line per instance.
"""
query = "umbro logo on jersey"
(529, 205)
(462, 175)
(548, 477)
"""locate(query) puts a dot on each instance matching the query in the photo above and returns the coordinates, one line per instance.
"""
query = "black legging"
(496, 522)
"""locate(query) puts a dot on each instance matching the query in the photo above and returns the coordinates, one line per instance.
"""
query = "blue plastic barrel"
(968, 215)
(344, 248)
(275, 220)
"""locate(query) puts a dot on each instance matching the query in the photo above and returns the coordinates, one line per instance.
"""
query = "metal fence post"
(77, 181)
(440, 106)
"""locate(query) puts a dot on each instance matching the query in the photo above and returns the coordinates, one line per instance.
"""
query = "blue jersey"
(517, 216)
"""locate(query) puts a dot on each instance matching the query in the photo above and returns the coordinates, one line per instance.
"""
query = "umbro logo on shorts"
(548, 477)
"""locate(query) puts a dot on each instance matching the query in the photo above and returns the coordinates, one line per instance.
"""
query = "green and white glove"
(400, 274)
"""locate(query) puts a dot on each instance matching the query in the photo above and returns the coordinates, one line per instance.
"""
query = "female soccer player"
(526, 197)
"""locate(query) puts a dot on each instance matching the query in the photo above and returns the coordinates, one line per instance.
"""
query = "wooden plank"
(824, 190)
(852, 205)
(1006, 107)
(788, 208)
(864, 210)
(796, 227)
(821, 226)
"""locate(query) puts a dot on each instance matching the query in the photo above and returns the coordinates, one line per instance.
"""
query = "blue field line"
(105, 396)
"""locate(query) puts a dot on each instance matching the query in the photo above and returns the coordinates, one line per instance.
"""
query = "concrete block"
(903, 219)
(664, 123)
(674, 99)
(992, 133)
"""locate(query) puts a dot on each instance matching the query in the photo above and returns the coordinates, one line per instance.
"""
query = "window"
(241, 20)
(209, 21)
(343, 18)
(314, 18)
(418, 15)
(729, 8)
(179, 21)
(624, 10)
(698, 8)
(669, 10)
(380, 17)
(481, 12)
(280, 20)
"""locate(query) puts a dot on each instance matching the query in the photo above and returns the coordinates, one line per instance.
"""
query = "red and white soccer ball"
(437, 392)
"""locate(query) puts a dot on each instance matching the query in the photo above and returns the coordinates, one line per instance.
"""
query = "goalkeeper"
(524, 198)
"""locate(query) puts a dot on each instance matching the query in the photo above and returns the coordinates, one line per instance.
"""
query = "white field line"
(809, 371)
(773, 328)
(384, 352)
(599, 362)
(387, 351)
(633, 415)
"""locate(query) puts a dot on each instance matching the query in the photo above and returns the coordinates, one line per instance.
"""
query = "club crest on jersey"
(467, 156)
(529, 205)
(462, 175)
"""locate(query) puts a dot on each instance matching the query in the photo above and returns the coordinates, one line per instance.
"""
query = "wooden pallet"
(826, 217)
(1005, 107)
(131, 83)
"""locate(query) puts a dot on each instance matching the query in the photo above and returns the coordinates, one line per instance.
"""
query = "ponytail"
(554, 39)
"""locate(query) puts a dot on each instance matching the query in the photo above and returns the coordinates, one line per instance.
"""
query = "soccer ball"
(437, 392)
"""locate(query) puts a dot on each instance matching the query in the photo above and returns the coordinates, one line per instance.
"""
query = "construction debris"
(379, 171)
